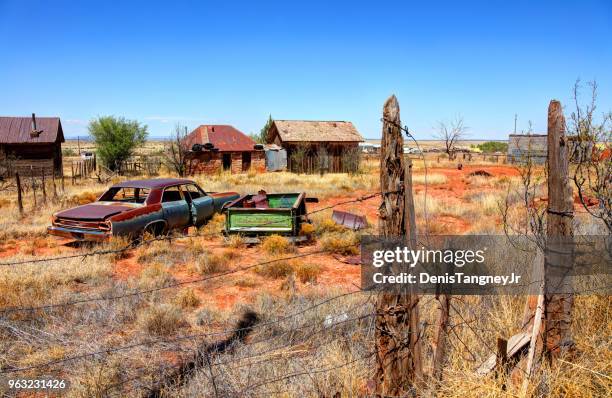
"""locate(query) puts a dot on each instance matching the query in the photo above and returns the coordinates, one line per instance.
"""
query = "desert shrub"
(275, 270)
(345, 243)
(326, 225)
(95, 379)
(118, 243)
(209, 315)
(236, 241)
(155, 275)
(276, 244)
(246, 281)
(307, 229)
(187, 299)
(214, 226)
(161, 319)
(210, 263)
(493, 146)
(158, 251)
(307, 272)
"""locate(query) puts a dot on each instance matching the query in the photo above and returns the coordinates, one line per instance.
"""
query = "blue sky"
(210, 62)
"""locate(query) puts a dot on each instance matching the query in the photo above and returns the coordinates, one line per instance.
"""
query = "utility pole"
(515, 116)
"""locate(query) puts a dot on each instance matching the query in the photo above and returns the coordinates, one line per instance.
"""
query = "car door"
(201, 205)
(176, 209)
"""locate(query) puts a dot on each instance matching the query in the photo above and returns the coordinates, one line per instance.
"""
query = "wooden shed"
(317, 146)
(31, 145)
(218, 147)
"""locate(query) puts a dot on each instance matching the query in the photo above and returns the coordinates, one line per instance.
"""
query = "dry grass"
(308, 272)
(275, 270)
(431, 179)
(213, 263)
(155, 275)
(32, 338)
(324, 224)
(161, 319)
(276, 245)
(315, 185)
(187, 298)
(236, 241)
(214, 226)
(345, 243)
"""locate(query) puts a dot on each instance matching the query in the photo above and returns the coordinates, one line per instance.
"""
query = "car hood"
(93, 211)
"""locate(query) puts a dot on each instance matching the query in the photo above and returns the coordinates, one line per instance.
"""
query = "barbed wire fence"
(293, 337)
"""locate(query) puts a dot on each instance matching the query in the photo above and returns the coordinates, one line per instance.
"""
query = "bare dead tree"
(592, 151)
(176, 151)
(450, 133)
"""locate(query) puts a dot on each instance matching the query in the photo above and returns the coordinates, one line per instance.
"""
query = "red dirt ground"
(336, 274)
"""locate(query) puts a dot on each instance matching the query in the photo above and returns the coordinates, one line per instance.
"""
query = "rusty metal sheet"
(92, 212)
(349, 220)
(16, 130)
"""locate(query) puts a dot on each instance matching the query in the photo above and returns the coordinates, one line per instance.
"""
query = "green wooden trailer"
(266, 214)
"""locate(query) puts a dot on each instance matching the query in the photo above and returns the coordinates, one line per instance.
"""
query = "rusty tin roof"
(16, 130)
(224, 137)
(317, 131)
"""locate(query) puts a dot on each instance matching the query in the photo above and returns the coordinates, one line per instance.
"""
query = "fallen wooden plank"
(515, 344)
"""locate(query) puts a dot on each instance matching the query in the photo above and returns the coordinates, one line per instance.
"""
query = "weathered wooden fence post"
(54, 186)
(33, 185)
(552, 312)
(559, 232)
(397, 367)
(439, 354)
(43, 183)
(19, 197)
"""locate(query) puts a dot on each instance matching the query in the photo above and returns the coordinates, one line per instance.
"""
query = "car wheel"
(155, 229)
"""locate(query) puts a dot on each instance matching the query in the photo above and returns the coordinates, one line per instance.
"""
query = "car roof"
(153, 183)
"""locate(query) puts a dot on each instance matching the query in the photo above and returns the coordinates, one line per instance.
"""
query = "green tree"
(116, 138)
(261, 138)
(493, 146)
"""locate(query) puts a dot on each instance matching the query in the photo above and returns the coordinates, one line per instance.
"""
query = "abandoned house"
(527, 146)
(213, 148)
(317, 146)
(30, 145)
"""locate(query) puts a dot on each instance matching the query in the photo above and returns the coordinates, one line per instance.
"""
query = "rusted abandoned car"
(131, 208)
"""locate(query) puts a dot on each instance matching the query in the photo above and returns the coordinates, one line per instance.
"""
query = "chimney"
(34, 133)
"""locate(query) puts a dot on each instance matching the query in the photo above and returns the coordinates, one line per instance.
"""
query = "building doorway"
(246, 161)
(227, 161)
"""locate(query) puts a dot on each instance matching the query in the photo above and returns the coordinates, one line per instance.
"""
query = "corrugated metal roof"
(224, 137)
(16, 130)
(317, 131)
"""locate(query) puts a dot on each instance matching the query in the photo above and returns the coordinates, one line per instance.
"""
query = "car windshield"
(126, 195)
